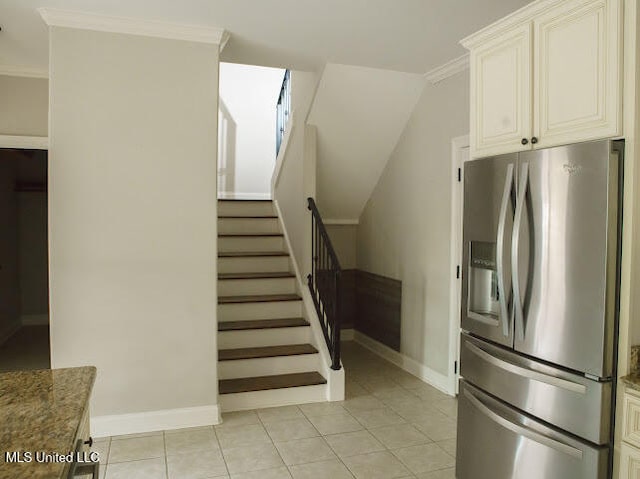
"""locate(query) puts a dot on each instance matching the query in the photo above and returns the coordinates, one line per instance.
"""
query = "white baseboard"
(35, 142)
(428, 375)
(347, 334)
(230, 195)
(34, 319)
(167, 419)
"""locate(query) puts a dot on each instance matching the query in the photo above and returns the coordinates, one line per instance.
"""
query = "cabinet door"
(501, 94)
(629, 462)
(577, 60)
(631, 422)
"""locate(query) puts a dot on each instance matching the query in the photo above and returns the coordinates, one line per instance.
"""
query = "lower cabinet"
(629, 462)
(84, 432)
(83, 442)
(630, 447)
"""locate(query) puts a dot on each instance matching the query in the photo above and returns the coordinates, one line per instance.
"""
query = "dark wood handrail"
(324, 283)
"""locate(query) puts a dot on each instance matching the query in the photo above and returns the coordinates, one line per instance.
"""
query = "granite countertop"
(41, 411)
(632, 380)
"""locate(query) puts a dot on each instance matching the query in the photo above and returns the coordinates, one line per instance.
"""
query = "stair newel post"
(336, 322)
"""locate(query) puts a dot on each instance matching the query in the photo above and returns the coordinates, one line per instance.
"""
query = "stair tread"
(265, 275)
(262, 383)
(249, 235)
(240, 254)
(265, 352)
(261, 324)
(258, 298)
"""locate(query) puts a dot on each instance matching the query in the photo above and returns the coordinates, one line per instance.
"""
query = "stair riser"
(272, 398)
(248, 225)
(246, 368)
(244, 287)
(245, 208)
(261, 264)
(267, 310)
(260, 243)
(263, 337)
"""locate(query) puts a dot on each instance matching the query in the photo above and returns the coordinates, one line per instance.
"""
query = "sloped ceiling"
(359, 113)
(404, 35)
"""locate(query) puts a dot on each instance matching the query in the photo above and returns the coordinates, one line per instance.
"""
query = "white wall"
(360, 114)
(132, 199)
(25, 106)
(295, 182)
(247, 136)
(404, 230)
(9, 291)
(344, 241)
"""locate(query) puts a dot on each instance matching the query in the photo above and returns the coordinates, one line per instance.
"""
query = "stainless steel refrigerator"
(539, 313)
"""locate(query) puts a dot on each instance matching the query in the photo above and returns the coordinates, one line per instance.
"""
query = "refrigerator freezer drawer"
(569, 401)
(497, 442)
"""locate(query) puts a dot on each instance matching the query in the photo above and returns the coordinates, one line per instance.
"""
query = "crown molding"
(131, 26)
(18, 71)
(524, 14)
(442, 72)
(224, 39)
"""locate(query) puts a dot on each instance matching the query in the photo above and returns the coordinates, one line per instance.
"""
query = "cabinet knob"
(534, 140)
(524, 141)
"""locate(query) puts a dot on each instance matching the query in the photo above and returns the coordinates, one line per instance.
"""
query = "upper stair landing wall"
(247, 130)
(360, 114)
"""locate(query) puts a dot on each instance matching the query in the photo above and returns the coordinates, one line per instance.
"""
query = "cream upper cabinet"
(549, 74)
(577, 63)
(501, 93)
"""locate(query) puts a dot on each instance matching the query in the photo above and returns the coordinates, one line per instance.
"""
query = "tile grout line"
(166, 459)
(288, 467)
(224, 461)
(273, 443)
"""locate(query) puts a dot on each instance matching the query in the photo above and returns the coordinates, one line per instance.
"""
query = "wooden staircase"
(266, 355)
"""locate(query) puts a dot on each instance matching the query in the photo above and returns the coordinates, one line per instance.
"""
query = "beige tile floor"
(391, 425)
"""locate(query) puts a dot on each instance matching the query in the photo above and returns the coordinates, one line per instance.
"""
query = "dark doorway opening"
(24, 262)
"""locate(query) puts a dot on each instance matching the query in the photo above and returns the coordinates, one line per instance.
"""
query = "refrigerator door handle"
(506, 196)
(522, 430)
(525, 372)
(515, 243)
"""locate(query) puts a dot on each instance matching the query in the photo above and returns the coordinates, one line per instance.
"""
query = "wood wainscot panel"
(378, 308)
(348, 307)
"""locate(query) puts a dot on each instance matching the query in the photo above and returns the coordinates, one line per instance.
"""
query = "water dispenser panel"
(483, 280)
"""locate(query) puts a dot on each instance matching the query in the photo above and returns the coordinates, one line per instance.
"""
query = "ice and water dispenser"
(484, 295)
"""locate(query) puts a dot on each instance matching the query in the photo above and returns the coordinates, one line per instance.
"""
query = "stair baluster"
(324, 283)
